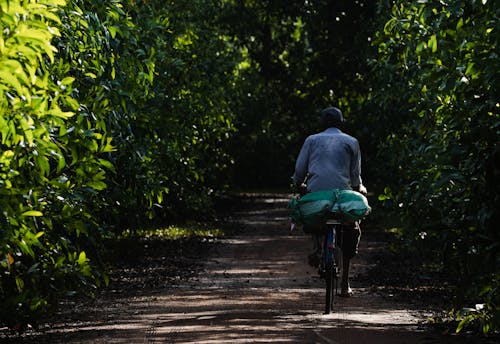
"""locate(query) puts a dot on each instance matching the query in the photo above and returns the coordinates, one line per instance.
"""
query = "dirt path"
(256, 288)
(259, 289)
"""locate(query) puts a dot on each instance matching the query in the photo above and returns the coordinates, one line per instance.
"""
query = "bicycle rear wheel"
(330, 288)
(330, 270)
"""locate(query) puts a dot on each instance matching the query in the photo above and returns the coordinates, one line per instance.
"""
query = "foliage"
(484, 317)
(299, 57)
(108, 108)
(114, 60)
(49, 166)
(438, 68)
(119, 114)
(173, 232)
(177, 145)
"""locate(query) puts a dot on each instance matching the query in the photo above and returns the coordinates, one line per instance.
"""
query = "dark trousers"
(347, 237)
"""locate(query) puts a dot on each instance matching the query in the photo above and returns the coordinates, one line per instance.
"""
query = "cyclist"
(328, 160)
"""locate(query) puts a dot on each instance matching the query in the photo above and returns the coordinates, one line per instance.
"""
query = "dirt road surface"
(256, 287)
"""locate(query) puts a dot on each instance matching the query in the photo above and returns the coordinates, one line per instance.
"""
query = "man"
(328, 160)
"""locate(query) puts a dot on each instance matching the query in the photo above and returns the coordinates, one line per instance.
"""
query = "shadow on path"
(256, 287)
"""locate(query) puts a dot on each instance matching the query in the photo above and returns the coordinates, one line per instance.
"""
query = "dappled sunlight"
(257, 288)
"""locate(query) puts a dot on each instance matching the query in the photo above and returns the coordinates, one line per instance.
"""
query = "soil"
(251, 286)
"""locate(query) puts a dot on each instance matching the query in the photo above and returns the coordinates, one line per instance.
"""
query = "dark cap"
(331, 116)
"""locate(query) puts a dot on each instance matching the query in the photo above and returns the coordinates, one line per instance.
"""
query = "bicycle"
(331, 260)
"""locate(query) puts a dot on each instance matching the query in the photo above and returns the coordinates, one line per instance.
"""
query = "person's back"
(330, 160)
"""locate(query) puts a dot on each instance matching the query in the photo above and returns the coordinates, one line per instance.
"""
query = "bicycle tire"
(330, 287)
(330, 273)
(339, 265)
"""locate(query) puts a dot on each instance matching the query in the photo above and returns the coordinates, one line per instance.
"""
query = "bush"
(49, 166)
(438, 72)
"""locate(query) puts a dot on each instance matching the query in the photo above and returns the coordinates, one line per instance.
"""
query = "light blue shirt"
(330, 160)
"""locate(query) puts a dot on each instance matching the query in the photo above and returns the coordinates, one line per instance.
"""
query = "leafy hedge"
(50, 166)
(108, 108)
(438, 69)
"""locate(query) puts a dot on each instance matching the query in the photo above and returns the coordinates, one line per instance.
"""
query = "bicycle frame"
(330, 253)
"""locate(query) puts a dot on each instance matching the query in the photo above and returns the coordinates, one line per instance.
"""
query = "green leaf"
(32, 213)
(61, 163)
(43, 163)
(57, 112)
(25, 248)
(29, 34)
(8, 78)
(19, 284)
(82, 258)
(72, 103)
(108, 147)
(97, 185)
(432, 43)
(60, 3)
(6, 156)
(107, 164)
(67, 81)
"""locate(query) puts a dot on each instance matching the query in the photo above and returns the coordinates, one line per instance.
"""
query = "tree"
(49, 165)
(108, 108)
(439, 74)
(300, 57)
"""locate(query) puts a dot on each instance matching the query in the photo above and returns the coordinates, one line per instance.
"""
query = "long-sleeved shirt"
(330, 160)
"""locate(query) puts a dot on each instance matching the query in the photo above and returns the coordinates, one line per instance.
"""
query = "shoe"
(345, 291)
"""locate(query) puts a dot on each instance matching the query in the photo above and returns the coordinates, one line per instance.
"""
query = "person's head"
(331, 117)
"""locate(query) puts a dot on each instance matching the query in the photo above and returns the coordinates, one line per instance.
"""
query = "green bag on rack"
(351, 204)
(312, 208)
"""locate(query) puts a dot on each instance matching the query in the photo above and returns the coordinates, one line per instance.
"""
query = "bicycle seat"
(333, 218)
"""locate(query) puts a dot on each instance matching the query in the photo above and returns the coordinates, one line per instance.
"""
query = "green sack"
(312, 208)
(351, 204)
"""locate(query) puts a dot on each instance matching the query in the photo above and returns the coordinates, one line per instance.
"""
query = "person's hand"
(293, 186)
(300, 189)
(362, 190)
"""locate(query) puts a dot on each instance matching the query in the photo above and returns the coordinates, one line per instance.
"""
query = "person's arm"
(356, 181)
(301, 165)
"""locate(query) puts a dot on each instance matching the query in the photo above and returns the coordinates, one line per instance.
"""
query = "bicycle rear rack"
(333, 222)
